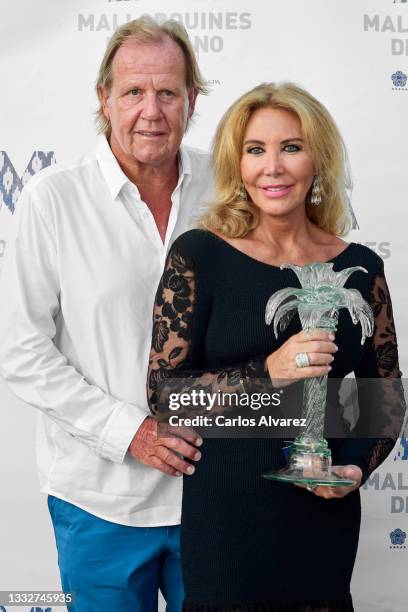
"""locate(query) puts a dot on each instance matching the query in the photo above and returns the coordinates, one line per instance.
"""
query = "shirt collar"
(184, 165)
(116, 178)
(111, 171)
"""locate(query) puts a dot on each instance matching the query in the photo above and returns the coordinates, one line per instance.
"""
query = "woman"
(249, 544)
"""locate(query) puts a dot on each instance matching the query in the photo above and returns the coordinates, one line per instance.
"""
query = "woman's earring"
(316, 196)
(243, 193)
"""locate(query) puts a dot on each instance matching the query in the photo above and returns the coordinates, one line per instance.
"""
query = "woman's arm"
(380, 390)
(174, 317)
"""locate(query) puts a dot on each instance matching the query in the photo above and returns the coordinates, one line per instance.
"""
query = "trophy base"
(298, 476)
(310, 467)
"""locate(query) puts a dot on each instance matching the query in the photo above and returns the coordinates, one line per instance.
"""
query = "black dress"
(250, 544)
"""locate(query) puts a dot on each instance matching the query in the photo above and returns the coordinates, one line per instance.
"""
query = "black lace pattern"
(171, 343)
(385, 339)
(381, 388)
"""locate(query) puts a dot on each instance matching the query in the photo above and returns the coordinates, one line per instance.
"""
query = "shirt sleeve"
(380, 392)
(170, 364)
(31, 364)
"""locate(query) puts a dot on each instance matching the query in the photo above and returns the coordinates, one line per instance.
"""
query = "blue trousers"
(114, 567)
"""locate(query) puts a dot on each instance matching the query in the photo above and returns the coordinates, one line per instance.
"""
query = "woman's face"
(276, 168)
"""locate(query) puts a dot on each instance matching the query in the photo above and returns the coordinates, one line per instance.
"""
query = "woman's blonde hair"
(231, 213)
(146, 30)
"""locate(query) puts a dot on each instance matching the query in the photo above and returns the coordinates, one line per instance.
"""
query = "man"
(78, 288)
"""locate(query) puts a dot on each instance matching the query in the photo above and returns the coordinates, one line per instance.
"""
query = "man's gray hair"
(146, 30)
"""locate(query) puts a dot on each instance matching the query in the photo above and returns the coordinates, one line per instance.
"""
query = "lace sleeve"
(170, 355)
(380, 390)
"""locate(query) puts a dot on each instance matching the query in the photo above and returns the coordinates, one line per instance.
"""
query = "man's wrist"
(139, 432)
(120, 431)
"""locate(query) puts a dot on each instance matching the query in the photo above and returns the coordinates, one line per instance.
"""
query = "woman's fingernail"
(336, 347)
(198, 442)
(178, 474)
(191, 470)
(329, 368)
(331, 336)
(197, 456)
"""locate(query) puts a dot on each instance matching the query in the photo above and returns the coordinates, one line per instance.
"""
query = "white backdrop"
(348, 54)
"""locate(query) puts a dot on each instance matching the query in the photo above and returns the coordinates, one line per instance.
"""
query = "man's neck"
(154, 181)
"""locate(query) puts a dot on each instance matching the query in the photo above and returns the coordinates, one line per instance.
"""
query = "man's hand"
(345, 471)
(163, 451)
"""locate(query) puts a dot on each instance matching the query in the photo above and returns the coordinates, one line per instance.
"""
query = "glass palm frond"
(319, 300)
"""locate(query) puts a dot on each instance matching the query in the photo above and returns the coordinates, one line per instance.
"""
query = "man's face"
(148, 105)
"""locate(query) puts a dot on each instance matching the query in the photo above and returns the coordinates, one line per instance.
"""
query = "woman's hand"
(345, 471)
(319, 347)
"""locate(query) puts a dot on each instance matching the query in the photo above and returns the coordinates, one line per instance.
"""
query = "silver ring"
(309, 488)
(302, 360)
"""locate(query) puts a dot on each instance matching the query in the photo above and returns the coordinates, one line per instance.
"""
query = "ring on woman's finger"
(310, 488)
(302, 360)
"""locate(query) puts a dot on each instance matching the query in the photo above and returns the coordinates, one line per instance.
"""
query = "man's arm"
(34, 369)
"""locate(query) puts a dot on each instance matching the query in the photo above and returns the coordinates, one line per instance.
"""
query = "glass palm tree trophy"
(318, 303)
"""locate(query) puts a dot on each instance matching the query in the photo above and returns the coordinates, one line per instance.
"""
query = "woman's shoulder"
(362, 255)
(195, 243)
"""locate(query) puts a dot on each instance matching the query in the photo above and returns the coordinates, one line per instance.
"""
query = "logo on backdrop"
(399, 80)
(206, 28)
(389, 25)
(397, 538)
(11, 184)
(397, 483)
(41, 610)
(402, 452)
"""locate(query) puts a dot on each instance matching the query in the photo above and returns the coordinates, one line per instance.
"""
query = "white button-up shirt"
(77, 292)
